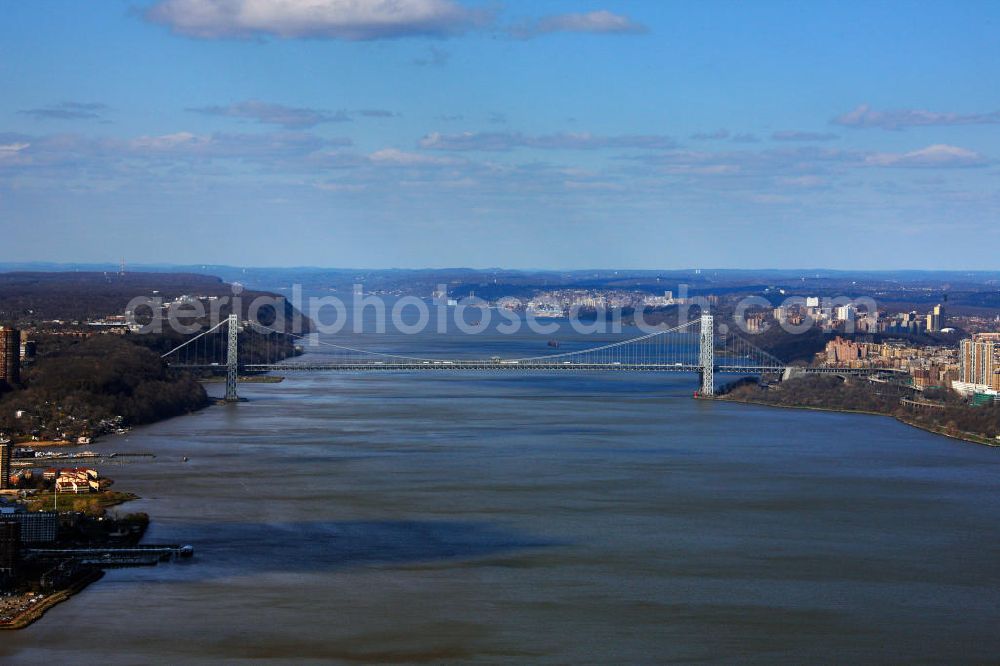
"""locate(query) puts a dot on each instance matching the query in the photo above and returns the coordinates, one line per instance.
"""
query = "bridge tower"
(706, 356)
(232, 358)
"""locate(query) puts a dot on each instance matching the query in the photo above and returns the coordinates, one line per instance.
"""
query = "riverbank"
(20, 612)
(48, 443)
(35, 612)
(937, 430)
(89, 503)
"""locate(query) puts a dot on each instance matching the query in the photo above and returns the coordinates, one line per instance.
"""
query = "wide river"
(543, 518)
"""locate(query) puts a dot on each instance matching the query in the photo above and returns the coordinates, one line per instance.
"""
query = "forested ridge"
(94, 384)
(949, 414)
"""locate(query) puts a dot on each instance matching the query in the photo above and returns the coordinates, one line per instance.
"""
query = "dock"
(110, 557)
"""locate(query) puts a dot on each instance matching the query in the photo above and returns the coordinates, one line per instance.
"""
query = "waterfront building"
(5, 454)
(77, 481)
(39, 526)
(83, 475)
(10, 548)
(10, 355)
(977, 361)
(35, 526)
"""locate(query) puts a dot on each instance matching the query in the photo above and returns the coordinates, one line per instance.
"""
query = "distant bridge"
(693, 347)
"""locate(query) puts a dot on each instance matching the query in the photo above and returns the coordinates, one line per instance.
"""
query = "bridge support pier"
(706, 356)
(232, 358)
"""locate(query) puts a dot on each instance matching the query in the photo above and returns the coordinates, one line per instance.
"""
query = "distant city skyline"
(556, 134)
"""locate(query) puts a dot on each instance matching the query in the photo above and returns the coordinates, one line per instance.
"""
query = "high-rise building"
(935, 319)
(10, 355)
(908, 322)
(4, 466)
(846, 352)
(845, 312)
(976, 361)
(28, 347)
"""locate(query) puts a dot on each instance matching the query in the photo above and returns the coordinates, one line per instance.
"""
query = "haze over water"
(550, 517)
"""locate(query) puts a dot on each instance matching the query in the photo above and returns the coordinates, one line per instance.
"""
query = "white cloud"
(865, 116)
(717, 135)
(792, 135)
(67, 111)
(600, 22)
(289, 117)
(773, 162)
(169, 142)
(62, 155)
(331, 19)
(395, 157)
(333, 186)
(802, 162)
(803, 182)
(502, 141)
(11, 150)
(262, 147)
(936, 156)
(274, 114)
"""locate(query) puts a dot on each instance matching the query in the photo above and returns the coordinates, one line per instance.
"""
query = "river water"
(541, 518)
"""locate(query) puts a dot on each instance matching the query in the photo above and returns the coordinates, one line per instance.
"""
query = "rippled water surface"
(550, 518)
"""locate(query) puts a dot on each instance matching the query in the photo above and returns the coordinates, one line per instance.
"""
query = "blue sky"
(518, 134)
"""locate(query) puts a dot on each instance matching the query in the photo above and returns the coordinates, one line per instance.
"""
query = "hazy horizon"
(152, 267)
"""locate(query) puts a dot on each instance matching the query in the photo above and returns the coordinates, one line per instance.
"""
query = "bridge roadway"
(504, 366)
(528, 365)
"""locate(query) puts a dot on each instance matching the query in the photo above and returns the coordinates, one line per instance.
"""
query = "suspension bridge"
(693, 347)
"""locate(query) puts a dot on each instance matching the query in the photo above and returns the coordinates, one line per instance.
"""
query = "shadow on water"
(240, 548)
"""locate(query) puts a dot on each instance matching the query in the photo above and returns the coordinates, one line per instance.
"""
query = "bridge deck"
(515, 366)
